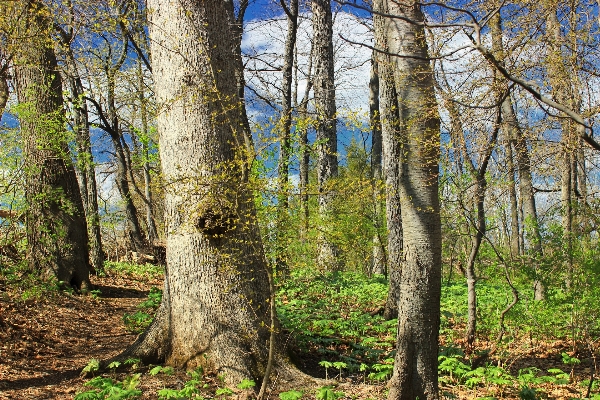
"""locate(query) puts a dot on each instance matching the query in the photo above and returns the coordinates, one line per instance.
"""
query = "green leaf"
(92, 366)
(154, 371)
(290, 395)
(246, 384)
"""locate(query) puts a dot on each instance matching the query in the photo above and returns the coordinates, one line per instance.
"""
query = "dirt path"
(45, 343)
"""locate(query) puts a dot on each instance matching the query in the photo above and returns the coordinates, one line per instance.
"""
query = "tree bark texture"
(415, 369)
(57, 240)
(378, 264)
(324, 93)
(215, 310)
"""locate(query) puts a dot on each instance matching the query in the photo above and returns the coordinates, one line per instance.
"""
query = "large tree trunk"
(57, 237)
(327, 162)
(415, 368)
(378, 264)
(391, 148)
(215, 309)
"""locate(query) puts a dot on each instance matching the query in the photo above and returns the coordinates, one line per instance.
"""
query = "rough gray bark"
(324, 93)
(85, 160)
(55, 220)
(415, 367)
(391, 149)
(378, 264)
(215, 309)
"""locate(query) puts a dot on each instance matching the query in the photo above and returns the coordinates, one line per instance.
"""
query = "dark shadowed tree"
(57, 240)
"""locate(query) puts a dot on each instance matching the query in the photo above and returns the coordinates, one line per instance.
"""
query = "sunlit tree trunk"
(324, 92)
(284, 126)
(379, 259)
(215, 309)
(415, 369)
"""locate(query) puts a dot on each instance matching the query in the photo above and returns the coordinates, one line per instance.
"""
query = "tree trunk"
(215, 310)
(515, 248)
(85, 159)
(391, 148)
(285, 125)
(57, 240)
(531, 229)
(327, 163)
(415, 368)
(378, 265)
(3, 89)
(150, 222)
(559, 77)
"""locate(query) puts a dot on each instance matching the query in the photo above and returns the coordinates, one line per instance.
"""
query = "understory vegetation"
(335, 331)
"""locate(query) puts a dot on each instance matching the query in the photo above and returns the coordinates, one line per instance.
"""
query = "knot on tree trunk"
(215, 223)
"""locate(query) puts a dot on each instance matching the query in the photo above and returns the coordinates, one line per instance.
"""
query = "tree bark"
(3, 89)
(285, 125)
(150, 221)
(378, 264)
(57, 241)
(85, 159)
(215, 311)
(327, 162)
(415, 368)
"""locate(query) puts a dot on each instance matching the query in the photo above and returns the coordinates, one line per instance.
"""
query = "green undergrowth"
(136, 271)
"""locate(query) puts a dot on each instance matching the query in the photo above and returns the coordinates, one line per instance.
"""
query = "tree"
(324, 92)
(379, 257)
(415, 364)
(216, 309)
(55, 220)
(81, 126)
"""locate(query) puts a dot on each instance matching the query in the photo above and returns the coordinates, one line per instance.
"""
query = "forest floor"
(47, 340)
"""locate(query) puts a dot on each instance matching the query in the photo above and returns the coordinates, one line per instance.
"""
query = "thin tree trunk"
(85, 159)
(415, 368)
(285, 125)
(3, 89)
(515, 247)
(57, 240)
(378, 265)
(327, 163)
(150, 222)
(531, 230)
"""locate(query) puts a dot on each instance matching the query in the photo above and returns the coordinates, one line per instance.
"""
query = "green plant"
(382, 371)
(165, 370)
(106, 388)
(246, 384)
(327, 393)
(326, 364)
(291, 395)
(224, 392)
(92, 366)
